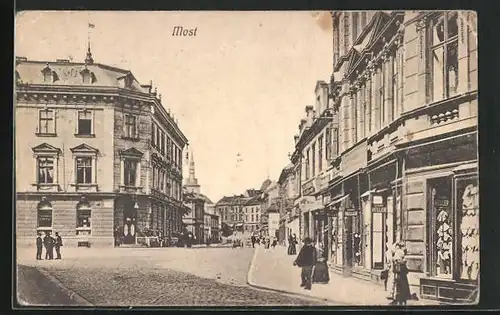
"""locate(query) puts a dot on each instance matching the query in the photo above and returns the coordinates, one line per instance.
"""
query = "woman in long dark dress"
(292, 241)
(320, 274)
(402, 286)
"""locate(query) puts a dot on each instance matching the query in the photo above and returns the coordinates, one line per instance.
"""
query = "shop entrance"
(129, 222)
(349, 239)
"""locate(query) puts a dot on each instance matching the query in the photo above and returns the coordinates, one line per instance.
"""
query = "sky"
(238, 88)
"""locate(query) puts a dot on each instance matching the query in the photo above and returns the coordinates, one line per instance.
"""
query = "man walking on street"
(39, 245)
(306, 259)
(58, 245)
(253, 241)
(48, 242)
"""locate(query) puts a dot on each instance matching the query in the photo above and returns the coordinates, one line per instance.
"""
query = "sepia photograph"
(244, 159)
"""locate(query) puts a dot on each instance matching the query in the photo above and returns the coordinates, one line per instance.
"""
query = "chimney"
(309, 111)
(302, 124)
(296, 139)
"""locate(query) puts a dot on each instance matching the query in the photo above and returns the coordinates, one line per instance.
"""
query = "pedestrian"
(58, 244)
(48, 242)
(253, 241)
(292, 245)
(320, 274)
(401, 286)
(275, 242)
(306, 260)
(39, 244)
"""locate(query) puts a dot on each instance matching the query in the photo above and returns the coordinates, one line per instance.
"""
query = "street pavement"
(273, 269)
(159, 277)
(33, 288)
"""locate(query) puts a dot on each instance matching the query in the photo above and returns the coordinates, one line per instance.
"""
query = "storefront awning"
(336, 201)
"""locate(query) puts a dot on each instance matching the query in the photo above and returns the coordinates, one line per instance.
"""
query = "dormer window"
(87, 76)
(49, 76)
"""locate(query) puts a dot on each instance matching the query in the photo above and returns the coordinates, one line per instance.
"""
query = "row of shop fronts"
(97, 220)
(425, 195)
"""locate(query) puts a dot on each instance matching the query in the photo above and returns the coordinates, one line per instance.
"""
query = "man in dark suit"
(48, 242)
(39, 245)
(58, 244)
(306, 259)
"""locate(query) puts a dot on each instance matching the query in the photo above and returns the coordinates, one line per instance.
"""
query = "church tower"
(191, 182)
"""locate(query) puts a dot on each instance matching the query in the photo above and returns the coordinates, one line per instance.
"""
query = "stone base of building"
(24, 242)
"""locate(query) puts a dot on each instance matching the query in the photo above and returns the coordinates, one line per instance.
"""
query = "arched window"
(83, 218)
(44, 216)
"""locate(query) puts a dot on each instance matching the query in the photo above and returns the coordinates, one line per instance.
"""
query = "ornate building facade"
(97, 155)
(404, 86)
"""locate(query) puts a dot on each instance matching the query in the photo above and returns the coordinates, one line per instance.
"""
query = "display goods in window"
(469, 228)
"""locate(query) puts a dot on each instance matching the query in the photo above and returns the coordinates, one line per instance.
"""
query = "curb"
(301, 295)
(72, 295)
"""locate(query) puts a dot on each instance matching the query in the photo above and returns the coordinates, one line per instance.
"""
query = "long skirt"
(292, 249)
(321, 274)
(401, 288)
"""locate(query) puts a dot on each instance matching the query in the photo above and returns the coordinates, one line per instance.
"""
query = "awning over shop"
(336, 201)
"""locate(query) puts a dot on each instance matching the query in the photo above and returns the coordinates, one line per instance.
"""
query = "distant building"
(252, 212)
(194, 218)
(97, 154)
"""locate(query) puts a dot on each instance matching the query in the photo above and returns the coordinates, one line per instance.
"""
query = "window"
(354, 120)
(162, 180)
(328, 144)
(308, 166)
(162, 143)
(335, 142)
(444, 51)
(346, 33)
(83, 218)
(336, 41)
(253, 217)
(46, 123)
(364, 111)
(320, 153)
(83, 170)
(130, 168)
(394, 85)
(130, 126)
(45, 170)
(44, 216)
(153, 134)
(355, 22)
(380, 95)
(84, 123)
(313, 159)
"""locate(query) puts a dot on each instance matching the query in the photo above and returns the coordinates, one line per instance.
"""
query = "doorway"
(129, 223)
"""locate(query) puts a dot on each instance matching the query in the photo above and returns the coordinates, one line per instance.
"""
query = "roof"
(193, 196)
(255, 200)
(67, 73)
(231, 200)
(207, 200)
(286, 170)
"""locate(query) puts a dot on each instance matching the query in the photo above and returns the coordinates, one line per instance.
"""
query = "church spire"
(191, 183)
(192, 175)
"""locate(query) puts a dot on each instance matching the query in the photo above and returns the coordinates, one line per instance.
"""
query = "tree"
(226, 230)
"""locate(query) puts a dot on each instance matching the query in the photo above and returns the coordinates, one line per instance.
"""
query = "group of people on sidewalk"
(313, 261)
(50, 243)
(266, 241)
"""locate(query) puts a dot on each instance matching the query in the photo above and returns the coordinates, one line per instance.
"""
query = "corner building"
(404, 85)
(98, 158)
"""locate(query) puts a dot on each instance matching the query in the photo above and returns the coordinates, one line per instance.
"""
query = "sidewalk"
(273, 269)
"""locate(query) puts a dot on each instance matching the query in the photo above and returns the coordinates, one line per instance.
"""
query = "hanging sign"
(378, 200)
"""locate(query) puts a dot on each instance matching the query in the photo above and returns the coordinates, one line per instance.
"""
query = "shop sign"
(350, 212)
(309, 188)
(379, 209)
(378, 200)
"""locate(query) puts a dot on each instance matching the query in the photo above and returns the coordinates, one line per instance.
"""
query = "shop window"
(84, 170)
(83, 218)
(378, 240)
(444, 51)
(84, 127)
(467, 209)
(440, 228)
(44, 216)
(46, 122)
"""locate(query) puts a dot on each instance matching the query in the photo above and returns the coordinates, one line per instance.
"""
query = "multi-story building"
(288, 224)
(193, 219)
(316, 146)
(97, 155)
(230, 210)
(404, 85)
(269, 219)
(251, 209)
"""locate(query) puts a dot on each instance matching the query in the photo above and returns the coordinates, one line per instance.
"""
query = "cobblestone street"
(163, 277)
